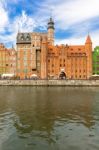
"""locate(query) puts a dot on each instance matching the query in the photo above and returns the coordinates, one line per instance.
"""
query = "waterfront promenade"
(49, 82)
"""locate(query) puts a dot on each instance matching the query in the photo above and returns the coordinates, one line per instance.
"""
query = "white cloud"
(3, 18)
(77, 16)
(80, 40)
(23, 23)
(26, 23)
(95, 38)
(73, 15)
(74, 11)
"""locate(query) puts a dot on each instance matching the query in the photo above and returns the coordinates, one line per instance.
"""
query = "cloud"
(74, 11)
(26, 23)
(3, 18)
(80, 40)
(79, 17)
(10, 28)
(75, 16)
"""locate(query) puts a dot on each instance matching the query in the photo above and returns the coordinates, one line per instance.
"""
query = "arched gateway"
(62, 75)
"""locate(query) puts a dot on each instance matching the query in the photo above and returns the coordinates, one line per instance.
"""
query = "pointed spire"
(88, 40)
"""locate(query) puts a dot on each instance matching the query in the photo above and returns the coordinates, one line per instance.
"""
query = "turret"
(88, 48)
(88, 40)
(50, 29)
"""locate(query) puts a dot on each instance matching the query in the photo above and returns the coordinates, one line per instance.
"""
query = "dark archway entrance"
(62, 75)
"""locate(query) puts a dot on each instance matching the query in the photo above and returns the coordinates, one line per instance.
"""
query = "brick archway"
(62, 75)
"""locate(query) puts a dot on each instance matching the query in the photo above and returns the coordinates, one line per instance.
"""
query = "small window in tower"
(33, 45)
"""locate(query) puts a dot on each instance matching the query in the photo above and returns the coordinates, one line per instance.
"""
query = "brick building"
(7, 60)
(12, 60)
(3, 59)
(37, 56)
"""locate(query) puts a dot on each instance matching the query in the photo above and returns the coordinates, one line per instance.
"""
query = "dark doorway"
(62, 75)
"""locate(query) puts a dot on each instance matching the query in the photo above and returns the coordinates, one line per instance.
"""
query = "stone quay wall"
(49, 82)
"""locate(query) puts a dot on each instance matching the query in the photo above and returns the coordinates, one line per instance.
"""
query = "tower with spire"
(88, 48)
(51, 29)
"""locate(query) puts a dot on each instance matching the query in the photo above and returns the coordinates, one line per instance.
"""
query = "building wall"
(44, 58)
(23, 60)
(29, 56)
(7, 60)
(72, 60)
(12, 61)
(77, 67)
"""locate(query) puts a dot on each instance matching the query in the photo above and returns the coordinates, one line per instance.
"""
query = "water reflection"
(45, 118)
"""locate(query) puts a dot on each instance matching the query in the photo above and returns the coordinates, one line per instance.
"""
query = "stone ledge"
(49, 82)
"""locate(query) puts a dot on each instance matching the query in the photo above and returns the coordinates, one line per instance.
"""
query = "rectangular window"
(25, 63)
(25, 70)
(52, 65)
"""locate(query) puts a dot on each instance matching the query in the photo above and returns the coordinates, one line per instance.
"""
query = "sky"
(74, 19)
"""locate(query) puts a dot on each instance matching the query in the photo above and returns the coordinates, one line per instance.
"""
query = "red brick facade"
(37, 56)
(75, 61)
(7, 60)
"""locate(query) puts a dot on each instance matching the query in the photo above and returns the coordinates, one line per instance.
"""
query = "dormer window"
(27, 38)
(22, 38)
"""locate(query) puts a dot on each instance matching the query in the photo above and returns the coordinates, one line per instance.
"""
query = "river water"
(49, 118)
